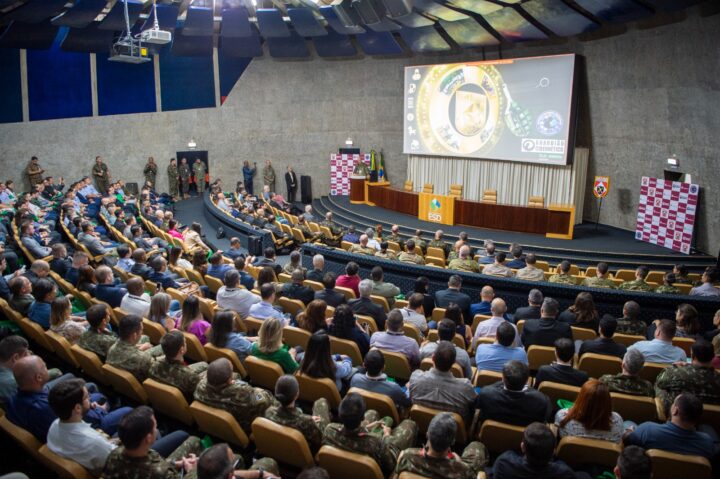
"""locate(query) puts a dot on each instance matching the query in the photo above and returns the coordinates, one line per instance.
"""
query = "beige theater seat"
(428, 188)
(489, 196)
(408, 185)
(456, 190)
(536, 202)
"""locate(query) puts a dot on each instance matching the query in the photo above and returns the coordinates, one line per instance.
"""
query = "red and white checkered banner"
(666, 213)
(341, 168)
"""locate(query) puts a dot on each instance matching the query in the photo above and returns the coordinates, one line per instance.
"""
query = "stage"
(589, 244)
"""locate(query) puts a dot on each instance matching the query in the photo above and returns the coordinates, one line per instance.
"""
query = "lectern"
(357, 189)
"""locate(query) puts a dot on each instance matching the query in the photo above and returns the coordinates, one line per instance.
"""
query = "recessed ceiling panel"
(184, 46)
(469, 33)
(379, 43)
(384, 25)
(424, 40)
(198, 22)
(511, 25)
(271, 23)
(235, 23)
(81, 14)
(242, 47)
(615, 11)
(90, 39)
(305, 23)
(115, 19)
(555, 15)
(291, 47)
(167, 17)
(39, 36)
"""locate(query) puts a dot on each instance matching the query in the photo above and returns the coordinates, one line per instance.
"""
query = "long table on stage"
(382, 195)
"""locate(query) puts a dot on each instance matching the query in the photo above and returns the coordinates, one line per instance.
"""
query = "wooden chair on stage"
(489, 196)
(408, 185)
(536, 202)
(428, 188)
(456, 191)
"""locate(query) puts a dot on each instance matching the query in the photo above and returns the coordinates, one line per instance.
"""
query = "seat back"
(438, 314)
(369, 320)
(427, 364)
(576, 451)
(89, 362)
(382, 301)
(479, 318)
(263, 373)
(213, 353)
(627, 339)
(435, 252)
(408, 186)
(638, 409)
(26, 440)
(61, 346)
(207, 308)
(669, 465)
(711, 415)
(484, 378)
(489, 196)
(314, 285)
(684, 343)
(456, 190)
(214, 284)
(428, 188)
(125, 383)
(35, 332)
(378, 402)
(337, 462)
(252, 325)
(625, 274)
(500, 437)
(536, 201)
(433, 261)
(346, 347)
(347, 292)
(598, 364)
(583, 334)
(195, 277)
(153, 330)
(312, 389)
(651, 370)
(397, 365)
(392, 245)
(539, 356)
(218, 423)
(169, 400)
(292, 306)
(64, 468)
(284, 444)
(293, 336)
(177, 295)
(422, 416)
(413, 331)
(195, 349)
(284, 278)
(557, 391)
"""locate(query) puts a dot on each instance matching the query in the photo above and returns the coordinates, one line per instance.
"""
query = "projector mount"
(129, 49)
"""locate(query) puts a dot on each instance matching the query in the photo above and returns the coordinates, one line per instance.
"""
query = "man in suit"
(604, 344)
(291, 183)
(364, 305)
(517, 262)
(317, 274)
(454, 295)
(296, 290)
(160, 274)
(381, 288)
(511, 401)
(546, 330)
(562, 371)
(329, 295)
(268, 260)
(106, 289)
(532, 311)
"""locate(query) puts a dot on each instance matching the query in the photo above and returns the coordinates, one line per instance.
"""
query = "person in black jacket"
(546, 330)
(511, 401)
(562, 371)
(604, 344)
(291, 183)
(364, 305)
(268, 260)
(317, 274)
(140, 268)
(454, 295)
(329, 295)
(296, 290)
(532, 311)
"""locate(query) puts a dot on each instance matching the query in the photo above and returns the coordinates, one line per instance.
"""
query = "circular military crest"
(549, 123)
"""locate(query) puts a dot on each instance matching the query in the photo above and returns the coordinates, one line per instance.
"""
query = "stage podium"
(357, 189)
(436, 208)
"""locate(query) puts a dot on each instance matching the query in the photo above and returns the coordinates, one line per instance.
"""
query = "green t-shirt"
(281, 356)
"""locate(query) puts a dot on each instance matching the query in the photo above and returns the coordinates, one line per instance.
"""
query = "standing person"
(173, 175)
(269, 175)
(150, 171)
(101, 174)
(184, 173)
(248, 174)
(291, 182)
(199, 172)
(34, 172)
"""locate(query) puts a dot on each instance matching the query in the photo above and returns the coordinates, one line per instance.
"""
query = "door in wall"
(191, 156)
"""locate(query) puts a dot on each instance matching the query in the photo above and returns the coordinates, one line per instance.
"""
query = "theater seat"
(456, 190)
(536, 201)
(346, 347)
(213, 283)
(501, 437)
(169, 400)
(651, 370)
(263, 373)
(153, 330)
(598, 364)
(582, 334)
(312, 389)
(219, 423)
(125, 383)
(669, 465)
(577, 451)
(412, 331)
(489, 196)
(428, 188)
(381, 301)
(61, 346)
(397, 365)
(90, 363)
(284, 444)
(378, 402)
(557, 391)
(292, 306)
(64, 468)
(337, 462)
(369, 320)
(195, 349)
(293, 336)
(422, 416)
(26, 440)
(35, 332)
(427, 364)
(638, 409)
(213, 353)
(540, 356)
(408, 185)
(627, 339)
(484, 378)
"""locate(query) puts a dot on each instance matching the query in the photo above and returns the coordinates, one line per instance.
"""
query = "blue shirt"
(125, 264)
(483, 307)
(264, 310)
(669, 437)
(40, 313)
(657, 351)
(233, 253)
(31, 411)
(492, 357)
(218, 271)
(239, 345)
(247, 280)
(381, 385)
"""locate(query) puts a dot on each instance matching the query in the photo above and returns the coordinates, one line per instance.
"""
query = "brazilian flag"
(372, 160)
(381, 172)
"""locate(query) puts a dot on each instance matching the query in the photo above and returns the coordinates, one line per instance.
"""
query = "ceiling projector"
(157, 37)
(127, 50)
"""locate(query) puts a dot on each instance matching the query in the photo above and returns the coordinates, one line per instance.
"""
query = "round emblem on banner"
(549, 123)
(434, 204)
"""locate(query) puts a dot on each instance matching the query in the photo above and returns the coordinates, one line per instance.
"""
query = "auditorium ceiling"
(296, 28)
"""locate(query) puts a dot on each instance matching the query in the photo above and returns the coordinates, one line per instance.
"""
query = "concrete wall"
(645, 94)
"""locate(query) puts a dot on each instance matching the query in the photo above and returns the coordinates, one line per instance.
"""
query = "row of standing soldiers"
(100, 173)
(179, 176)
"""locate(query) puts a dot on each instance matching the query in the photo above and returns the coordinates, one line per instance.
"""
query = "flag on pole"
(373, 167)
(381, 173)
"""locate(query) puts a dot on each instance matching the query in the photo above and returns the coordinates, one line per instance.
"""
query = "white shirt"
(413, 317)
(488, 329)
(236, 299)
(373, 243)
(139, 305)
(79, 442)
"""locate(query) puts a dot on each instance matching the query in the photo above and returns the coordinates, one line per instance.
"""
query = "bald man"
(464, 262)
(487, 294)
(488, 328)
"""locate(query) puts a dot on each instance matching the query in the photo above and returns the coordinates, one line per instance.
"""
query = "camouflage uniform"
(474, 459)
(184, 173)
(388, 254)
(173, 175)
(440, 244)
(240, 399)
(596, 282)
(635, 327)
(637, 285)
(665, 289)
(152, 466)
(636, 386)
(269, 177)
(97, 343)
(199, 171)
(396, 239)
(469, 265)
(150, 173)
(702, 381)
(127, 356)
(406, 257)
(34, 173)
(335, 228)
(562, 279)
(384, 449)
(102, 182)
(359, 249)
(176, 373)
(295, 419)
(420, 243)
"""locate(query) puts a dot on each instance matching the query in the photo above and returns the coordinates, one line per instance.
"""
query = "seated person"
(561, 370)
(492, 357)
(294, 263)
(639, 283)
(191, 319)
(350, 280)
(345, 326)
(385, 252)
(498, 268)
(383, 288)
(532, 310)
(536, 460)
(220, 389)
(106, 290)
(235, 249)
(127, 353)
(437, 459)
(439, 389)
(629, 323)
(171, 368)
(288, 414)
(530, 272)
(44, 292)
(604, 344)
(591, 416)
(318, 362)
(546, 330)
(136, 301)
(160, 275)
(140, 268)
(63, 323)
(394, 339)
(375, 380)
(60, 262)
(446, 332)
(600, 280)
(295, 289)
(12, 349)
(364, 305)
(20, 294)
(270, 347)
(661, 349)
(464, 262)
(414, 313)
(264, 309)
(709, 277)
(222, 335)
(563, 275)
(487, 328)
(410, 254)
(245, 278)
(355, 433)
(125, 262)
(629, 380)
(219, 462)
(330, 295)
(511, 400)
(233, 297)
(218, 268)
(98, 338)
(363, 247)
(634, 463)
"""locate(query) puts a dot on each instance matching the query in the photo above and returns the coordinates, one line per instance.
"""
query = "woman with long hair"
(422, 284)
(191, 319)
(454, 313)
(223, 335)
(63, 323)
(267, 275)
(583, 313)
(591, 416)
(313, 318)
(176, 260)
(86, 279)
(192, 237)
(344, 326)
(688, 325)
(159, 309)
(318, 362)
(200, 262)
(271, 348)
(172, 229)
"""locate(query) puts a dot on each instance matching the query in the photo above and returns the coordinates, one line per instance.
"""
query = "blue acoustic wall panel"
(292, 47)
(11, 92)
(230, 71)
(38, 36)
(124, 88)
(558, 17)
(379, 43)
(305, 23)
(58, 82)
(81, 14)
(186, 82)
(334, 45)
